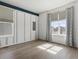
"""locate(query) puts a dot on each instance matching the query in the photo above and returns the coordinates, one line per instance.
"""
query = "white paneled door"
(33, 27)
(36, 32)
(20, 27)
(27, 27)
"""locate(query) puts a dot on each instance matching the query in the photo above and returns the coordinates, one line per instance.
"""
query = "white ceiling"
(38, 5)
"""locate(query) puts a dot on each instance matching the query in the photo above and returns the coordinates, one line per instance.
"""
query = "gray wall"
(43, 24)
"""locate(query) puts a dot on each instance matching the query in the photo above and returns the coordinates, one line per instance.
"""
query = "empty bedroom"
(38, 29)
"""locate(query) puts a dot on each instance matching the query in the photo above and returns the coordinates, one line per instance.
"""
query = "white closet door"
(32, 27)
(27, 27)
(20, 27)
(36, 34)
(15, 25)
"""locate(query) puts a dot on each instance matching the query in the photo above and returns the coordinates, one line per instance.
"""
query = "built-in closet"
(17, 26)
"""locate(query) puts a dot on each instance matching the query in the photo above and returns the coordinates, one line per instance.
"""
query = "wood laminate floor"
(38, 50)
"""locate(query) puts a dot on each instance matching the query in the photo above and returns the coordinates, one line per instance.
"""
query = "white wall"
(42, 26)
(43, 21)
(76, 25)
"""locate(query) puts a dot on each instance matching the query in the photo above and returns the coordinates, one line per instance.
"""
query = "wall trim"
(18, 8)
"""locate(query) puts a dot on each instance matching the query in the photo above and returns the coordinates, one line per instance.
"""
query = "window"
(62, 25)
(58, 27)
(54, 27)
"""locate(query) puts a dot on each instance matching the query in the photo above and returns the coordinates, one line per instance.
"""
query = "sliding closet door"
(27, 27)
(33, 27)
(15, 25)
(36, 34)
(20, 27)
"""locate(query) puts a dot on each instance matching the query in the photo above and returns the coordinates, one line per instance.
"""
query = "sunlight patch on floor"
(50, 48)
(44, 46)
(54, 49)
